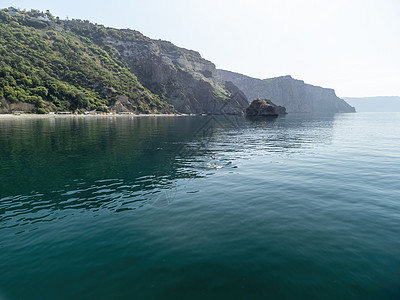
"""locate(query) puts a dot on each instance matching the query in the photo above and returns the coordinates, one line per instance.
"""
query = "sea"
(200, 207)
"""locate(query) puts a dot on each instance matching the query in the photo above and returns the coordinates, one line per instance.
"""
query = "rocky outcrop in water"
(264, 108)
(293, 94)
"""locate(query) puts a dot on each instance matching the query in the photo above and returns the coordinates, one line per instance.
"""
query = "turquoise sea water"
(299, 207)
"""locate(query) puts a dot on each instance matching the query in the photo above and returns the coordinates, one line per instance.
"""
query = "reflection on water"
(62, 164)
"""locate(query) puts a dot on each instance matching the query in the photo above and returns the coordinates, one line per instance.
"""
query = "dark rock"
(264, 108)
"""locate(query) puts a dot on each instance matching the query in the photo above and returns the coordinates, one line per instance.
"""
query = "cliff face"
(293, 94)
(7, 107)
(179, 76)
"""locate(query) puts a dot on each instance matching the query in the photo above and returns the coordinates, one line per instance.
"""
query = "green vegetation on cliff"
(44, 63)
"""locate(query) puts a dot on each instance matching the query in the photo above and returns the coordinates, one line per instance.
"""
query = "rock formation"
(264, 108)
(7, 107)
(293, 94)
(179, 76)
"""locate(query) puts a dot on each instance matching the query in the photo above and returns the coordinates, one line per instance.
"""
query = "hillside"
(293, 94)
(48, 64)
(375, 104)
(51, 68)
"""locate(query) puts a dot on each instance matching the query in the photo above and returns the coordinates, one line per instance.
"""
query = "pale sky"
(352, 46)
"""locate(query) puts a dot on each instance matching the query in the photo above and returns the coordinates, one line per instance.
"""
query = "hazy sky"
(352, 46)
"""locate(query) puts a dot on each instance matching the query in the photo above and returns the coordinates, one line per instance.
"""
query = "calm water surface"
(300, 207)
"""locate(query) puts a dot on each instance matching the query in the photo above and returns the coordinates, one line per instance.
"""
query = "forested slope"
(44, 64)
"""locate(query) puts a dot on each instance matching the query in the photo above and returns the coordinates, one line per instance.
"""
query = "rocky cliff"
(293, 94)
(179, 76)
(7, 107)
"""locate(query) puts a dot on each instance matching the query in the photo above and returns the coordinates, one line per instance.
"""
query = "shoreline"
(49, 116)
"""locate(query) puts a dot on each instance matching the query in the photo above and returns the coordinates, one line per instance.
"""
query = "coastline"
(49, 116)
